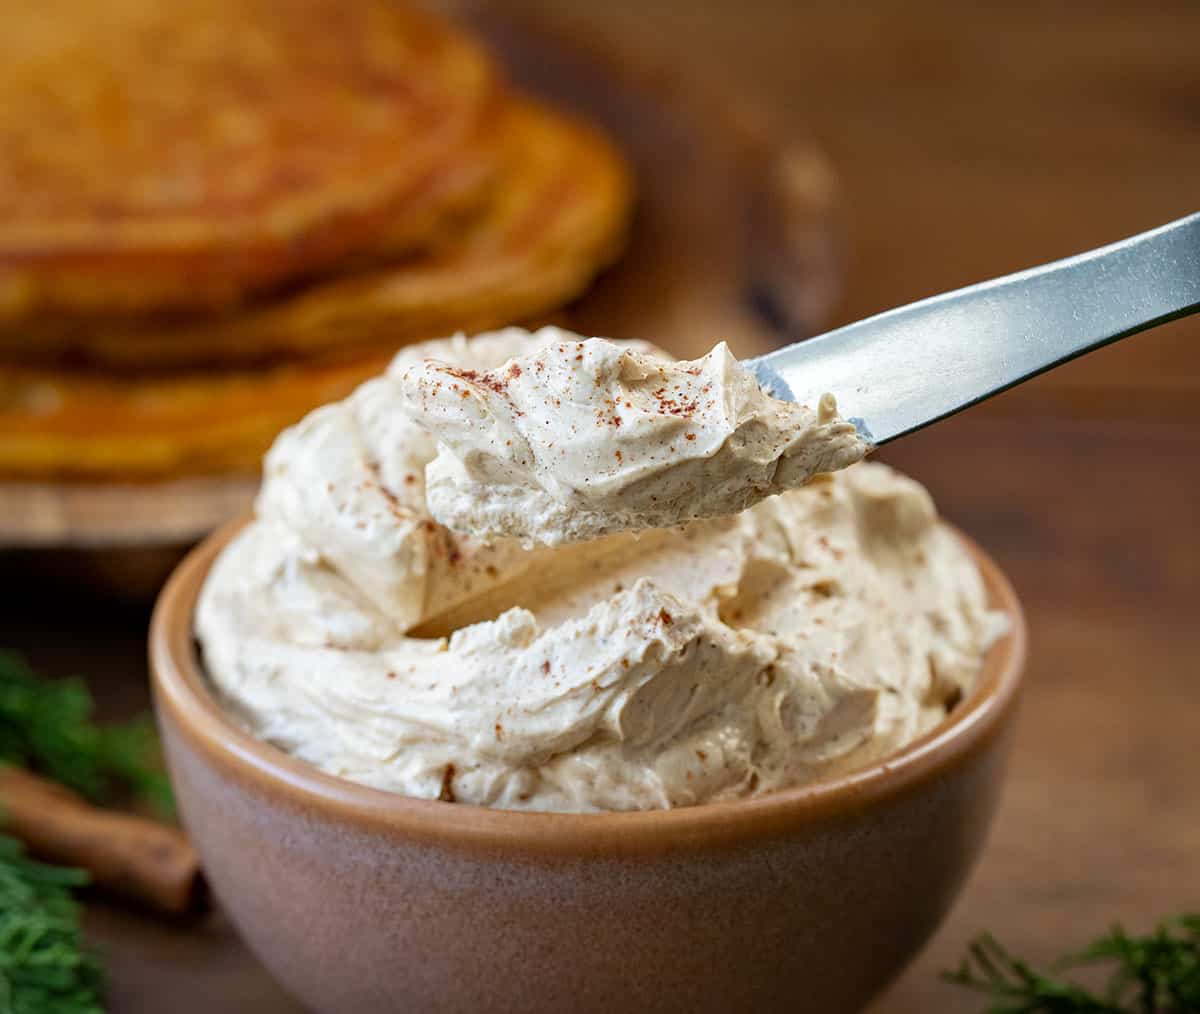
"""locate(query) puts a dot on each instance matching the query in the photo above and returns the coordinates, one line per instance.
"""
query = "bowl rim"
(185, 703)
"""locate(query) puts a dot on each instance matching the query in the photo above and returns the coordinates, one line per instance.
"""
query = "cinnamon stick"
(133, 856)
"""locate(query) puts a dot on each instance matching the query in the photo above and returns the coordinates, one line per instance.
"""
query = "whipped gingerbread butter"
(729, 656)
(583, 438)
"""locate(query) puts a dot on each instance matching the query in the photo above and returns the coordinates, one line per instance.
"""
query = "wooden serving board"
(735, 237)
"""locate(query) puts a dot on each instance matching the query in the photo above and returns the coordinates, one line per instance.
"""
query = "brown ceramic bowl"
(363, 901)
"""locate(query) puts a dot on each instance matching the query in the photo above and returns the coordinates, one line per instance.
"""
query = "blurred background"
(969, 140)
(927, 146)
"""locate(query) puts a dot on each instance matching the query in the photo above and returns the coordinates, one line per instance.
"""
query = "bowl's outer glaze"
(360, 901)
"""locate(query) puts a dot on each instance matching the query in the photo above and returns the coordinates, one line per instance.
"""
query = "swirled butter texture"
(584, 438)
(730, 656)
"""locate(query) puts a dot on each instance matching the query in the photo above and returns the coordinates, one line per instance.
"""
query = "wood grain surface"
(970, 141)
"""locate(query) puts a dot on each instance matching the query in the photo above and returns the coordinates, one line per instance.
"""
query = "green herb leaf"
(44, 966)
(46, 726)
(1158, 973)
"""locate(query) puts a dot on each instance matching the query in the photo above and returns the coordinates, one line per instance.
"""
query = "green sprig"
(1158, 973)
(44, 966)
(47, 726)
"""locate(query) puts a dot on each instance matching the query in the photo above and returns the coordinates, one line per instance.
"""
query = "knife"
(904, 369)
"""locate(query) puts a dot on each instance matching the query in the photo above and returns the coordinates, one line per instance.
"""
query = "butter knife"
(904, 369)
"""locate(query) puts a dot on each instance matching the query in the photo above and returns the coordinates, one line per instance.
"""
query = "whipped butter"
(583, 438)
(727, 657)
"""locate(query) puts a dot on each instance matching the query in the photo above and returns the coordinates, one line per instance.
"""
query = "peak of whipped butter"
(582, 438)
(808, 635)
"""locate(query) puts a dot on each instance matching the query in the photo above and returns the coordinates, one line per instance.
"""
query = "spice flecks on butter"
(583, 438)
(807, 635)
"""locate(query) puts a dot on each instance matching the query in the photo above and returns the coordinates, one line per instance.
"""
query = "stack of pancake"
(217, 214)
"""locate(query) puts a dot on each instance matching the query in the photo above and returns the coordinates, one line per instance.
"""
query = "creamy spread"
(727, 657)
(584, 438)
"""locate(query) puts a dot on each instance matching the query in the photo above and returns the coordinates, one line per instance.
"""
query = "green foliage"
(1158, 973)
(44, 968)
(46, 726)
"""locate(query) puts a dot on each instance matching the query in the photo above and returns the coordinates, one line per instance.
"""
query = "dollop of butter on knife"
(580, 439)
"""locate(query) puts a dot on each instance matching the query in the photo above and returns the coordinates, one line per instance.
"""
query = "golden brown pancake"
(183, 154)
(59, 425)
(555, 216)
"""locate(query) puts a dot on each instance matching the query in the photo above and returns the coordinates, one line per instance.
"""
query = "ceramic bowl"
(361, 901)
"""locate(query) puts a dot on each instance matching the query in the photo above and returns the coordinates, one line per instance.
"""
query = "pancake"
(555, 216)
(183, 155)
(77, 426)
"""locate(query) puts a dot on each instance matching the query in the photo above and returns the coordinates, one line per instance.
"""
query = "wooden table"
(969, 142)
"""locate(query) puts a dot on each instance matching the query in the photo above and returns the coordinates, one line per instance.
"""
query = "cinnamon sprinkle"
(484, 379)
(394, 504)
(446, 793)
